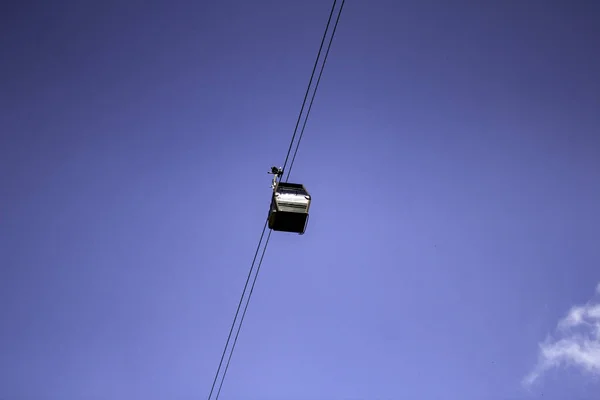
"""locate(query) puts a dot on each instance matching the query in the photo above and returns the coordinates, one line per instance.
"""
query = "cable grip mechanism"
(277, 173)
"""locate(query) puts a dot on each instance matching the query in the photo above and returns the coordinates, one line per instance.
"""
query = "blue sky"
(453, 157)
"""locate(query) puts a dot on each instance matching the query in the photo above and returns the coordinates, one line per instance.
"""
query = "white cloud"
(576, 343)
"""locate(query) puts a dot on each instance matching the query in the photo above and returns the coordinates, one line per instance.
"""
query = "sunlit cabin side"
(289, 208)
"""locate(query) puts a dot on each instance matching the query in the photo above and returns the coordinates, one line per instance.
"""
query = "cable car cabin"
(289, 208)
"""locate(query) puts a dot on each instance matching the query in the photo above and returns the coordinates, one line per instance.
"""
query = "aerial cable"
(238, 309)
(243, 314)
(291, 164)
(315, 91)
(266, 222)
(312, 75)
